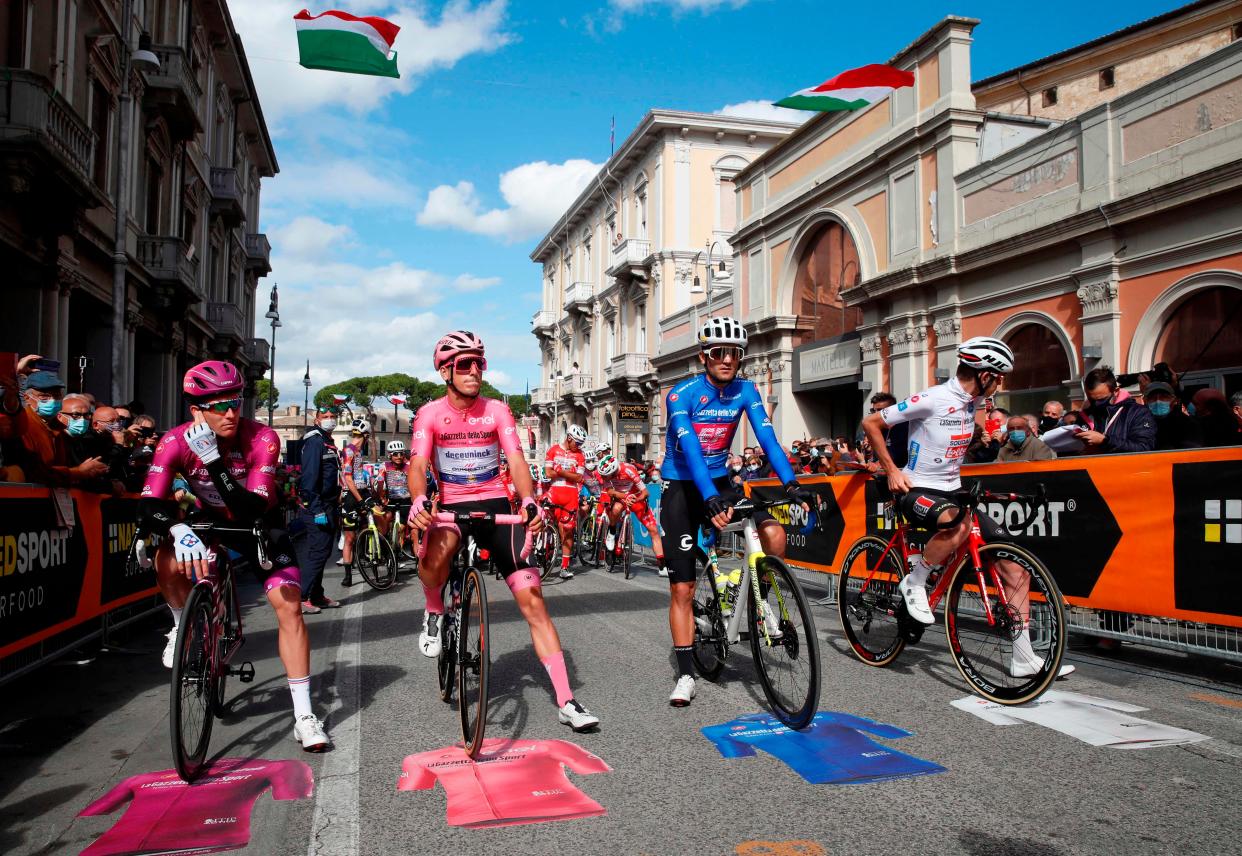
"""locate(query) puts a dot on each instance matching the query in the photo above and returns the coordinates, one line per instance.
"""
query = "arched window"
(1040, 361)
(1204, 332)
(828, 265)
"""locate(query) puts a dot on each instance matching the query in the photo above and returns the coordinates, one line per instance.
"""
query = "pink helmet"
(212, 378)
(455, 344)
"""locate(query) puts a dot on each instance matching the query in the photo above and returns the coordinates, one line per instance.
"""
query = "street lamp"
(306, 399)
(697, 288)
(274, 314)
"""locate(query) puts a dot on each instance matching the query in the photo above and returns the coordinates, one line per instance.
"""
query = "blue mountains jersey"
(702, 419)
(834, 749)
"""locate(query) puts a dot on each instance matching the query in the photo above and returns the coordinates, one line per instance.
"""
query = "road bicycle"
(589, 534)
(464, 646)
(621, 556)
(400, 539)
(545, 548)
(768, 606)
(374, 556)
(208, 637)
(985, 618)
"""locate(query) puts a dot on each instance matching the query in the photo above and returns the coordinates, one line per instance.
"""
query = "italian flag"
(850, 90)
(339, 41)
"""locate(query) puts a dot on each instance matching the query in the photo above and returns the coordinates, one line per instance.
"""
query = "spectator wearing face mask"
(1021, 444)
(1116, 421)
(1174, 429)
(1050, 416)
(43, 433)
(1217, 423)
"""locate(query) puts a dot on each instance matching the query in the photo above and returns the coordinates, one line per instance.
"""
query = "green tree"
(265, 392)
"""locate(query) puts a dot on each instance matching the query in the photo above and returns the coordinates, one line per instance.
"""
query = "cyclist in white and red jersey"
(567, 465)
(230, 464)
(942, 422)
(462, 436)
(623, 485)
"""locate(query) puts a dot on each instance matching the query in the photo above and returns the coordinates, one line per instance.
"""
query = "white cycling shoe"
(170, 649)
(915, 597)
(610, 540)
(309, 731)
(683, 692)
(577, 717)
(1026, 663)
(429, 641)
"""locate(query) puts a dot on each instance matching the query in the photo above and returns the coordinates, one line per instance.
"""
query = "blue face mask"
(48, 409)
(1017, 438)
(1190, 408)
(1160, 408)
(77, 427)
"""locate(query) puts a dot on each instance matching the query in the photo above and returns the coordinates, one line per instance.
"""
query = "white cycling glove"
(187, 546)
(202, 442)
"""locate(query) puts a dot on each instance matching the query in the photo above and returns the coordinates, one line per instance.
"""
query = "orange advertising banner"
(1152, 533)
(53, 578)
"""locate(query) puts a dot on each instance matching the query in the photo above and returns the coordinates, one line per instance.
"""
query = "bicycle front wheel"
(229, 631)
(784, 644)
(1009, 654)
(193, 685)
(868, 601)
(627, 546)
(473, 661)
(550, 551)
(711, 646)
(374, 559)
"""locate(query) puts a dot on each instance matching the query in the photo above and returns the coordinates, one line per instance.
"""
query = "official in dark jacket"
(319, 490)
(1117, 422)
(1174, 429)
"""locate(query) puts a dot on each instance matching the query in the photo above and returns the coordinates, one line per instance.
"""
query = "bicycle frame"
(749, 585)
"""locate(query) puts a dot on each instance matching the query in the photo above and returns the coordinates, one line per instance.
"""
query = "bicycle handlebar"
(456, 517)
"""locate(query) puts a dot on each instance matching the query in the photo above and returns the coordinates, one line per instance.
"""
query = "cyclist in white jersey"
(942, 422)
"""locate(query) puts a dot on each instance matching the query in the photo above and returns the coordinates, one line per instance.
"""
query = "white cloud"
(467, 282)
(310, 238)
(425, 43)
(358, 184)
(765, 110)
(535, 195)
(677, 5)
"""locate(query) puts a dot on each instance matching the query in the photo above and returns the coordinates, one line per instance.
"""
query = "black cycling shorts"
(682, 513)
(284, 570)
(922, 507)
(503, 542)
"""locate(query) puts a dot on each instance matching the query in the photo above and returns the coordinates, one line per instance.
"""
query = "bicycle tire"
(446, 661)
(711, 649)
(977, 646)
(473, 661)
(794, 654)
(192, 685)
(371, 560)
(611, 555)
(551, 552)
(228, 633)
(587, 541)
(627, 546)
(868, 601)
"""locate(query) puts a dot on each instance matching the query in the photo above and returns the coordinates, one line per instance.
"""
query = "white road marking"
(334, 825)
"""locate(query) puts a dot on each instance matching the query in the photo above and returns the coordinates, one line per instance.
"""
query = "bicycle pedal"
(244, 672)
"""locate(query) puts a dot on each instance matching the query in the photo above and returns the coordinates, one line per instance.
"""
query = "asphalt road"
(69, 733)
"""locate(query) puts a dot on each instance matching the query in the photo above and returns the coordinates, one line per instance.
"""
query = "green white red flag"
(850, 90)
(339, 41)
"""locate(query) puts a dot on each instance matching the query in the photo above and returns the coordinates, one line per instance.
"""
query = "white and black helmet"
(361, 426)
(986, 354)
(396, 446)
(722, 331)
(576, 433)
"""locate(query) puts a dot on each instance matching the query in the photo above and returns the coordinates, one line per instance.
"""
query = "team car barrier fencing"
(1145, 547)
(60, 587)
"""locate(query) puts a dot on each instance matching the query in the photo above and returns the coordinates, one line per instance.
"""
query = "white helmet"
(396, 446)
(601, 450)
(722, 331)
(986, 354)
(577, 433)
(608, 466)
(362, 426)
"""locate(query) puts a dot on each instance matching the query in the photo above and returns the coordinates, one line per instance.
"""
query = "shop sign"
(633, 418)
(829, 362)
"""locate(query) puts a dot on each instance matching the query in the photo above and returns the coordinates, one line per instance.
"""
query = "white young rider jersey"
(942, 423)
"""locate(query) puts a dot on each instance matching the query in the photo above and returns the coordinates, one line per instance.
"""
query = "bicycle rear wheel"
(1000, 660)
(473, 661)
(868, 601)
(446, 662)
(784, 644)
(711, 647)
(229, 631)
(550, 550)
(193, 685)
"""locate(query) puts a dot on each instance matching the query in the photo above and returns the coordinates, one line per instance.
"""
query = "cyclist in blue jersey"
(703, 415)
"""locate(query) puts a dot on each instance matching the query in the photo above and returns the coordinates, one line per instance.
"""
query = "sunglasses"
(222, 406)
(719, 353)
(466, 365)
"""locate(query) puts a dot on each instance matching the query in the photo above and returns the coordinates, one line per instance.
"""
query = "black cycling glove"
(798, 493)
(717, 505)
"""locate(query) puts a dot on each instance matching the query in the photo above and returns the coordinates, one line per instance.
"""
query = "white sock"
(299, 688)
(1022, 647)
(920, 570)
(176, 613)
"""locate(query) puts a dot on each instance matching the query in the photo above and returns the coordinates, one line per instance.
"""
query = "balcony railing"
(258, 351)
(629, 365)
(165, 259)
(542, 395)
(258, 252)
(30, 108)
(545, 319)
(631, 252)
(226, 197)
(578, 295)
(226, 320)
(174, 88)
(576, 383)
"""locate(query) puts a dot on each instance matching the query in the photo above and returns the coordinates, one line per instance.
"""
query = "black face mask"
(1047, 423)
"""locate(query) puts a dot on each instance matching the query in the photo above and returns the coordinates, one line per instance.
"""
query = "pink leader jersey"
(251, 457)
(167, 815)
(467, 446)
(512, 782)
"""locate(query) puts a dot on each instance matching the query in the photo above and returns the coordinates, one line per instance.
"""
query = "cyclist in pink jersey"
(462, 436)
(230, 464)
(623, 492)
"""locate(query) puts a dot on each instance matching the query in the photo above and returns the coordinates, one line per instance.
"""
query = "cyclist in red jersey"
(230, 464)
(623, 485)
(462, 436)
(567, 466)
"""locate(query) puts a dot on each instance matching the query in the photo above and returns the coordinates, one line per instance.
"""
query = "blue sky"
(407, 208)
